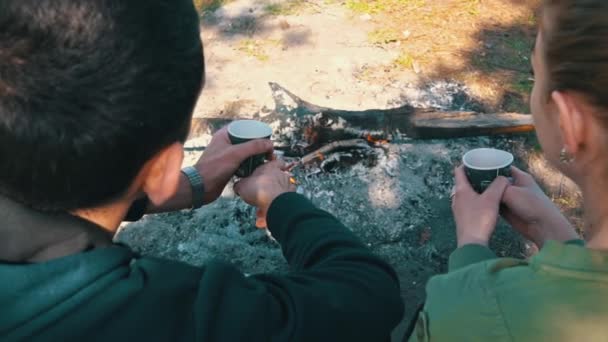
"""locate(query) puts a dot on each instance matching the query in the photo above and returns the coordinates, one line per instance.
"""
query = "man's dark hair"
(89, 91)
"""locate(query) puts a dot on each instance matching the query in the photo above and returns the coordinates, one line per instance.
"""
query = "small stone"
(365, 17)
(406, 34)
(416, 67)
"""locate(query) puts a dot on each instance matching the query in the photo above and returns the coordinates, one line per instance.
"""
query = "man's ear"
(161, 180)
(573, 122)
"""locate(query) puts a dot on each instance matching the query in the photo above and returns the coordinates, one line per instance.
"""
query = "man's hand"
(217, 165)
(531, 212)
(476, 215)
(268, 182)
(221, 159)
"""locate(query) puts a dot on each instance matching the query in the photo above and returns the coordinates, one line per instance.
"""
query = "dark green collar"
(28, 236)
(572, 256)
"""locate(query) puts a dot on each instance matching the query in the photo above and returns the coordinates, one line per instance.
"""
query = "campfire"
(311, 134)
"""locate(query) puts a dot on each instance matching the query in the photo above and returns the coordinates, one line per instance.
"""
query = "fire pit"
(391, 190)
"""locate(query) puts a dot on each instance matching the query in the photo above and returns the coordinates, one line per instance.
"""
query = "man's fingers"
(240, 185)
(290, 166)
(496, 190)
(462, 182)
(222, 131)
(277, 163)
(221, 134)
(260, 221)
(251, 148)
(236, 188)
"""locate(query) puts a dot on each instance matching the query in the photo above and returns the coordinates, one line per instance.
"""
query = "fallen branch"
(440, 125)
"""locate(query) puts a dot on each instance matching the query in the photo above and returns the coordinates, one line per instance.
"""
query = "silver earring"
(565, 157)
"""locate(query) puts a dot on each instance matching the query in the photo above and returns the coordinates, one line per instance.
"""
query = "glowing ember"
(376, 141)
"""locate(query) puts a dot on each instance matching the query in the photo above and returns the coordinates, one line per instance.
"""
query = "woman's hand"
(267, 182)
(532, 213)
(476, 215)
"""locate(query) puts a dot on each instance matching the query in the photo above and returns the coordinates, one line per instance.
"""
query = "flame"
(373, 140)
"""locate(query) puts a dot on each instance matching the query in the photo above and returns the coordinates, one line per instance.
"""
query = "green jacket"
(337, 290)
(560, 294)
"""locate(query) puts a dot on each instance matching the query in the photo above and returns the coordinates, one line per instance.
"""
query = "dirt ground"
(362, 54)
(448, 54)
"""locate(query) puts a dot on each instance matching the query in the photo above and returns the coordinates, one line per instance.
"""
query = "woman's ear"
(161, 180)
(573, 122)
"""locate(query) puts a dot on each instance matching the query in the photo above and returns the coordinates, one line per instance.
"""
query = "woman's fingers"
(514, 220)
(515, 196)
(495, 191)
(521, 178)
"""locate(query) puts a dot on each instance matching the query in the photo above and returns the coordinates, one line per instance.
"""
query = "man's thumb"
(251, 148)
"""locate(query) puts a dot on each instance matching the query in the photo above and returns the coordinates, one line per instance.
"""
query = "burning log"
(302, 127)
(321, 153)
(342, 153)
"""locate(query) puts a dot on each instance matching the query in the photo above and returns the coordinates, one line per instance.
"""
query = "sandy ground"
(317, 53)
(399, 207)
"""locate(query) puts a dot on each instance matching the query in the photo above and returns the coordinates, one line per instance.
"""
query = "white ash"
(223, 230)
(384, 204)
(443, 95)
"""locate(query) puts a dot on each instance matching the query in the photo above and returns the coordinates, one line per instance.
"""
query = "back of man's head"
(89, 91)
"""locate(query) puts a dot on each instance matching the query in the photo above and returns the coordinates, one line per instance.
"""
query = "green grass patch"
(257, 48)
(405, 61)
(253, 48)
(523, 85)
(362, 6)
(209, 5)
(519, 45)
(383, 36)
(472, 7)
(532, 20)
(273, 9)
(535, 143)
(512, 53)
(285, 8)
(378, 6)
